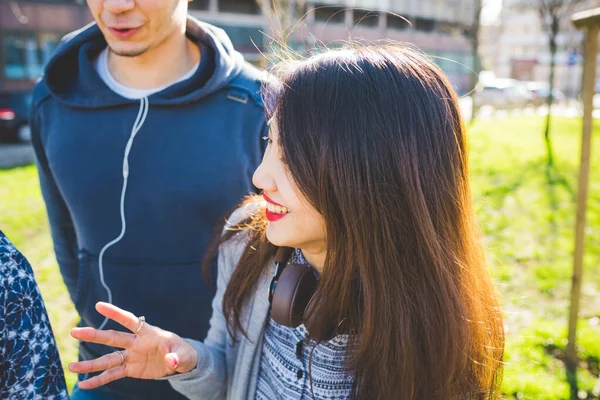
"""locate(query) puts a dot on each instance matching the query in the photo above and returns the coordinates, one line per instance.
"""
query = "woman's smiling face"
(293, 221)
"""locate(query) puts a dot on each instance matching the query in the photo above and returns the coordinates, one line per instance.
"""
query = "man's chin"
(127, 52)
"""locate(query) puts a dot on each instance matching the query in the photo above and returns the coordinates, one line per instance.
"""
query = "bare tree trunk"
(476, 65)
(550, 99)
(587, 97)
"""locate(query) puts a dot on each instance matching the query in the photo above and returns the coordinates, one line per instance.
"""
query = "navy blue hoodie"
(191, 161)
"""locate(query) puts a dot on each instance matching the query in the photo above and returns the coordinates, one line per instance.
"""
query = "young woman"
(358, 273)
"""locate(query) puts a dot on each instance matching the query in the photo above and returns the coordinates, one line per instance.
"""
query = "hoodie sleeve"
(61, 224)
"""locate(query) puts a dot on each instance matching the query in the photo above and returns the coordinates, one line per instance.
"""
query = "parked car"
(502, 94)
(540, 91)
(14, 116)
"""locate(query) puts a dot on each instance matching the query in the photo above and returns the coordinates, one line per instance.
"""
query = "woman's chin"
(275, 237)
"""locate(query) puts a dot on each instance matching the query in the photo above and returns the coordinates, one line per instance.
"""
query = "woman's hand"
(151, 353)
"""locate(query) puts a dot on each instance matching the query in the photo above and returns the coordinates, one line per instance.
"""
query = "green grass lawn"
(526, 213)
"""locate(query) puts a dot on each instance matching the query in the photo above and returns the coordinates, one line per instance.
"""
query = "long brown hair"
(373, 138)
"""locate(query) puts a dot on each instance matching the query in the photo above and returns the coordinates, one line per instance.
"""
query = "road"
(15, 155)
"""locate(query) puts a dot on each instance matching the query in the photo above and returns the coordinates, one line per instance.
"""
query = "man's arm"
(61, 224)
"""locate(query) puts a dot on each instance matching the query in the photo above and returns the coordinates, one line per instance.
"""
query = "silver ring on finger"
(120, 352)
(142, 321)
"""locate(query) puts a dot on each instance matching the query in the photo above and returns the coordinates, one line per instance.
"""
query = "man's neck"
(156, 67)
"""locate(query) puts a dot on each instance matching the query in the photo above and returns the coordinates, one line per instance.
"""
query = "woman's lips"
(272, 217)
(269, 200)
(274, 211)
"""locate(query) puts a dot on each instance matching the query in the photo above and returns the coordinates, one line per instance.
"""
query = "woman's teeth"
(277, 209)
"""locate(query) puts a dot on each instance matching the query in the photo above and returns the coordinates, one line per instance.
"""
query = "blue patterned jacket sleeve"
(29, 363)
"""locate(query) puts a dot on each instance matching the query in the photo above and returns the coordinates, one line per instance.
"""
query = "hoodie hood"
(71, 78)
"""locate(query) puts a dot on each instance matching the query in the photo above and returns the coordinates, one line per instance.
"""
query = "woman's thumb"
(182, 359)
(172, 361)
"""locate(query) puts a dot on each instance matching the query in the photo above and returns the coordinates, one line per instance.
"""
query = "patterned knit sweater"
(294, 368)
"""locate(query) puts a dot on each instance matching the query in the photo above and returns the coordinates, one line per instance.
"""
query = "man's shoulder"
(69, 37)
(253, 75)
(250, 82)
(40, 92)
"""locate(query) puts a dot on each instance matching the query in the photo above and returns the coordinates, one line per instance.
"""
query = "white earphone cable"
(139, 122)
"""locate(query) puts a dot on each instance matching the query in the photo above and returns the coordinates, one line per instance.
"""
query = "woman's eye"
(267, 139)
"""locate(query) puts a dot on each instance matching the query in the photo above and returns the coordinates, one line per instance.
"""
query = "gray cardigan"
(228, 370)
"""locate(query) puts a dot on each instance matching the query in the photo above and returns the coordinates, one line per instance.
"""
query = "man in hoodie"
(147, 128)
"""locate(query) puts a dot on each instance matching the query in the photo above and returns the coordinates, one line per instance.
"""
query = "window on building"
(329, 14)
(446, 61)
(397, 22)
(47, 43)
(301, 9)
(239, 6)
(246, 39)
(454, 62)
(448, 28)
(26, 53)
(365, 18)
(466, 30)
(424, 24)
(199, 5)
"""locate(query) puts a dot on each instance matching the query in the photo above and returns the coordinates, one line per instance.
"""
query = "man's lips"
(123, 32)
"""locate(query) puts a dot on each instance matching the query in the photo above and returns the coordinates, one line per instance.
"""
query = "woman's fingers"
(125, 318)
(103, 363)
(108, 338)
(106, 377)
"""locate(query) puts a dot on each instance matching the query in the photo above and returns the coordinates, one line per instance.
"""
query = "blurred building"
(31, 29)
(29, 33)
(439, 27)
(517, 47)
(241, 19)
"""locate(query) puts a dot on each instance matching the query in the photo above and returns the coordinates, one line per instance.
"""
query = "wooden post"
(588, 90)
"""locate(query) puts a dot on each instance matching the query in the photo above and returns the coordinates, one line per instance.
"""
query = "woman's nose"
(262, 179)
